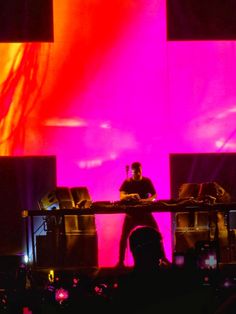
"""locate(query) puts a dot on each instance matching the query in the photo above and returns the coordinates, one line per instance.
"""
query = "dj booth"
(70, 237)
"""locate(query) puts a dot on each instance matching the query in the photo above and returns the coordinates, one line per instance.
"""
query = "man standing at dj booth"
(135, 190)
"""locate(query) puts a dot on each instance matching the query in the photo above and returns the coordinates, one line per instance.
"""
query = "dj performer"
(136, 189)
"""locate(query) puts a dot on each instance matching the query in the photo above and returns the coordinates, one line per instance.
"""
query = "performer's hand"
(134, 196)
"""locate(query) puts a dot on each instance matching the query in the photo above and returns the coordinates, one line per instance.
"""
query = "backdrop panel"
(203, 167)
(26, 21)
(200, 168)
(23, 182)
(201, 20)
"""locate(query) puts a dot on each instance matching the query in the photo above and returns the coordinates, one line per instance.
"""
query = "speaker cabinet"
(48, 251)
(185, 240)
(67, 198)
(198, 220)
(81, 250)
(59, 198)
(74, 250)
(80, 193)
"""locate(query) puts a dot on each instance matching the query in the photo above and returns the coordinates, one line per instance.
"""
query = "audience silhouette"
(153, 286)
(147, 282)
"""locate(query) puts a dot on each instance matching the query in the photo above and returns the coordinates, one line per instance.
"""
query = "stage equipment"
(72, 237)
(203, 167)
(191, 228)
(105, 207)
(82, 200)
(59, 198)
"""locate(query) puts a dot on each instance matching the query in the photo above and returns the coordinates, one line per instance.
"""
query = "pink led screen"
(112, 90)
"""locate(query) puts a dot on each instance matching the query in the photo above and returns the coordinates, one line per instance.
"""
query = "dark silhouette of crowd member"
(148, 279)
(135, 190)
(147, 249)
(153, 287)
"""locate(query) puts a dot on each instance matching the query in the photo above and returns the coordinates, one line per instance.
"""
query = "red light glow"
(61, 295)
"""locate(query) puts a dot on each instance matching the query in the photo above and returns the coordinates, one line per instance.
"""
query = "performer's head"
(136, 168)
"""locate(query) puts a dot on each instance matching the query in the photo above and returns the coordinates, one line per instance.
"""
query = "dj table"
(179, 208)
